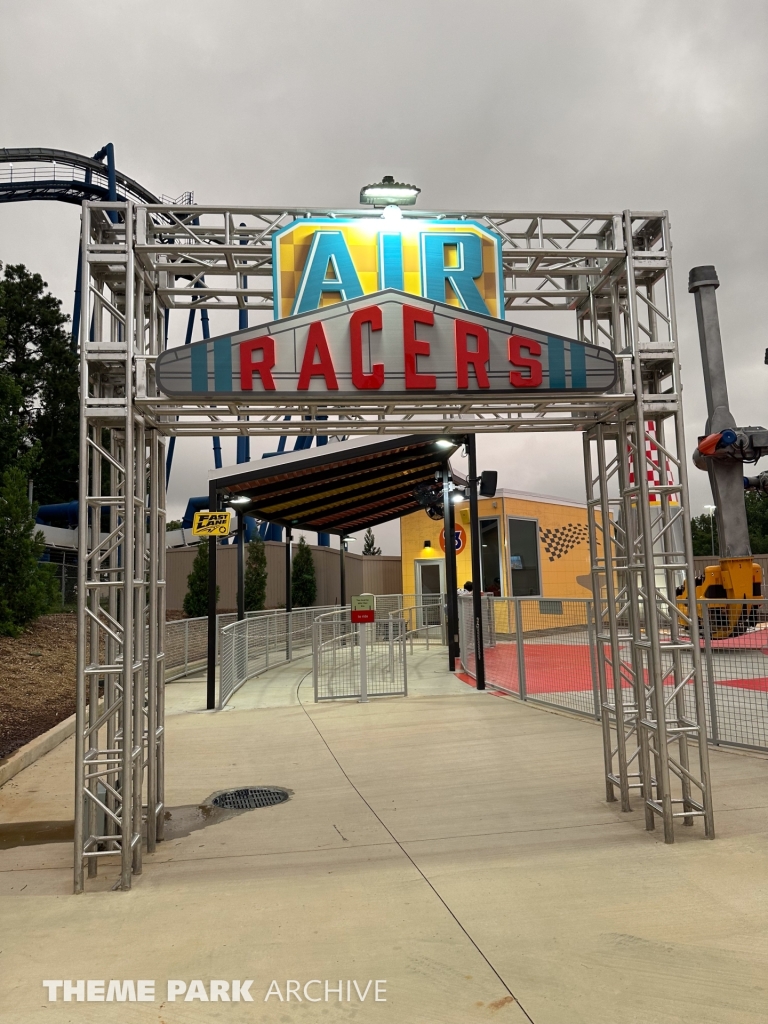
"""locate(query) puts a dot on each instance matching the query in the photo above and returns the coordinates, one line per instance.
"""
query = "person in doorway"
(466, 589)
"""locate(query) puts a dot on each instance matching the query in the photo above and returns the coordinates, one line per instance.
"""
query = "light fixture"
(428, 544)
(457, 496)
(243, 500)
(442, 443)
(392, 214)
(388, 192)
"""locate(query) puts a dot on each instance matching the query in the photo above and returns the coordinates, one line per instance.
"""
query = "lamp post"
(711, 509)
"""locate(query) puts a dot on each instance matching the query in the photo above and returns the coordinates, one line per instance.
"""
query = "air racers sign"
(385, 344)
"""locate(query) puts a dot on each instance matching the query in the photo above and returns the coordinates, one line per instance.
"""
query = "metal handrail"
(410, 633)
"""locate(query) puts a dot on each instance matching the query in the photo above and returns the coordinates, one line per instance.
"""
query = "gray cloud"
(490, 105)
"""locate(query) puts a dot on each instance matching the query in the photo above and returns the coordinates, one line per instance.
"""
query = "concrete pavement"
(454, 844)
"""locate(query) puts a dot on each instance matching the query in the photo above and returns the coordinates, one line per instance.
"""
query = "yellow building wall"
(563, 543)
(414, 530)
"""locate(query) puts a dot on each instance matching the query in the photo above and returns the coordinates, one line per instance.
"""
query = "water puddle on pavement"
(179, 822)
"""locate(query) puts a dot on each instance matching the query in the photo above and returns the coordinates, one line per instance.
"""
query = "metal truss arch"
(611, 270)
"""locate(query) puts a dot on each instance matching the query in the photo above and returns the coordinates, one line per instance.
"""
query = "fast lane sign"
(211, 524)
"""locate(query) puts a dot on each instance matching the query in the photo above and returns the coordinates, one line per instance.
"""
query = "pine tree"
(196, 597)
(369, 543)
(303, 581)
(36, 356)
(14, 436)
(28, 585)
(256, 576)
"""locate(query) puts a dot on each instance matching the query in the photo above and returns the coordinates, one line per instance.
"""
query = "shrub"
(303, 581)
(28, 585)
(256, 576)
(196, 597)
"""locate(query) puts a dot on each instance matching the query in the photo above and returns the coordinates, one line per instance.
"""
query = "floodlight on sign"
(389, 192)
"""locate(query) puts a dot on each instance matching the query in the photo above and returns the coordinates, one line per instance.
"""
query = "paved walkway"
(456, 844)
(289, 685)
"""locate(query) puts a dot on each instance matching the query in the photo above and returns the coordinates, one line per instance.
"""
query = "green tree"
(256, 576)
(369, 543)
(757, 520)
(36, 354)
(196, 598)
(303, 581)
(702, 531)
(28, 585)
(14, 431)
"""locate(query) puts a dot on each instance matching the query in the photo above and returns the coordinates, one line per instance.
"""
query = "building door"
(430, 586)
(524, 557)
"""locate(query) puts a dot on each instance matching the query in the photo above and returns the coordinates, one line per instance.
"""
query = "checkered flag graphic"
(562, 539)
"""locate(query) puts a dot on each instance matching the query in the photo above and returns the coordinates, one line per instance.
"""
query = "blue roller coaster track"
(66, 177)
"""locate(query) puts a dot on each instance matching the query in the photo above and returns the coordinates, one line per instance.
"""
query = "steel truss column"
(608, 552)
(121, 575)
(651, 682)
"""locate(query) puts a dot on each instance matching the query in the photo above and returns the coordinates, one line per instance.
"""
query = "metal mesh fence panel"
(467, 632)
(186, 644)
(466, 636)
(547, 650)
(539, 649)
(735, 671)
(425, 623)
(336, 664)
(259, 642)
(558, 654)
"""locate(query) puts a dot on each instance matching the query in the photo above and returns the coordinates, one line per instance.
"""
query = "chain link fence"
(66, 581)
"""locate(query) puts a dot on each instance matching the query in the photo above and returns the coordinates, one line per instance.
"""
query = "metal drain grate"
(252, 796)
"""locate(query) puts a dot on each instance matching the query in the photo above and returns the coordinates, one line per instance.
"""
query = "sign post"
(363, 612)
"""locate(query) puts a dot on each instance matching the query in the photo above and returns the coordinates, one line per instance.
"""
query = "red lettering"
(413, 347)
(263, 366)
(317, 344)
(364, 381)
(479, 358)
(533, 379)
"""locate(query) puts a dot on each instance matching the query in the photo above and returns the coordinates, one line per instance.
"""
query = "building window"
(524, 557)
(490, 561)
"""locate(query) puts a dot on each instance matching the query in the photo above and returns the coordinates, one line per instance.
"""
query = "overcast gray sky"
(494, 104)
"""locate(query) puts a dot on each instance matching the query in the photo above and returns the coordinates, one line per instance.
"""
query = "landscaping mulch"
(37, 679)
